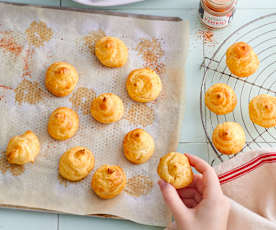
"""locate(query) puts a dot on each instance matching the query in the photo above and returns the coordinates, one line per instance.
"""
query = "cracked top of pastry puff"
(241, 59)
(143, 85)
(23, 148)
(108, 181)
(111, 52)
(61, 79)
(63, 123)
(262, 110)
(174, 168)
(138, 146)
(107, 108)
(76, 163)
(229, 138)
(220, 99)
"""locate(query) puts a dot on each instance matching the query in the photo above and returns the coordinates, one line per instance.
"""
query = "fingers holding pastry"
(174, 168)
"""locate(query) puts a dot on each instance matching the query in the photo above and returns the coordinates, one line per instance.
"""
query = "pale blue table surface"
(192, 138)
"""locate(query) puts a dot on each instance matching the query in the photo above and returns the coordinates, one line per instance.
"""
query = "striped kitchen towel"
(249, 180)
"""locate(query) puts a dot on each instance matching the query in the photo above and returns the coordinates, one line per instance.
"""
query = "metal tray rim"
(98, 11)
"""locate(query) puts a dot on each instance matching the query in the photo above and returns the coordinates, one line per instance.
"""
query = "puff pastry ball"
(220, 99)
(143, 85)
(262, 110)
(108, 181)
(174, 168)
(138, 146)
(229, 138)
(111, 52)
(23, 148)
(76, 163)
(241, 59)
(63, 123)
(61, 79)
(107, 108)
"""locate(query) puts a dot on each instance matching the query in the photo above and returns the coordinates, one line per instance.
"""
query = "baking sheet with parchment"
(31, 38)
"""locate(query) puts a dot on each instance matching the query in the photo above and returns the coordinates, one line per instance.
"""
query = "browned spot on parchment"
(27, 61)
(152, 52)
(106, 216)
(5, 87)
(65, 182)
(92, 37)
(29, 92)
(8, 43)
(138, 185)
(81, 99)
(7, 32)
(4, 164)
(38, 33)
(140, 114)
(62, 180)
(16, 170)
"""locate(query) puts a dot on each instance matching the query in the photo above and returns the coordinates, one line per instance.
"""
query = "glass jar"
(216, 14)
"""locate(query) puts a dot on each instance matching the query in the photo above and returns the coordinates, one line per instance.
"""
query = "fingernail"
(161, 183)
(187, 155)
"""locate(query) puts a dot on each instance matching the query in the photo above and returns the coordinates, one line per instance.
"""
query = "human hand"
(201, 205)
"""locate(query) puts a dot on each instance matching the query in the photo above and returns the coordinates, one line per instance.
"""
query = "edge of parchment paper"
(33, 209)
(185, 42)
(96, 11)
(105, 12)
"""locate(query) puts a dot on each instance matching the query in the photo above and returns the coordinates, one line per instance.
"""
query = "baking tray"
(92, 11)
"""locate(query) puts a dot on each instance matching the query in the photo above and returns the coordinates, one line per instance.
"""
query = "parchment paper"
(31, 39)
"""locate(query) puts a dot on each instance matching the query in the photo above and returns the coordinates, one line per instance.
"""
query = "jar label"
(214, 21)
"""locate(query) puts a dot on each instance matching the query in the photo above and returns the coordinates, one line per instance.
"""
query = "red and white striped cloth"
(250, 181)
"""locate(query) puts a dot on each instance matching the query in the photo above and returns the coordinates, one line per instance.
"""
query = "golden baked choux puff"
(76, 163)
(229, 138)
(220, 99)
(111, 52)
(61, 79)
(108, 181)
(23, 148)
(107, 108)
(63, 123)
(262, 110)
(138, 146)
(241, 59)
(143, 85)
(175, 168)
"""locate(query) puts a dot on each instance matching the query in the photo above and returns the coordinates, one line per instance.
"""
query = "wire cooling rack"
(261, 35)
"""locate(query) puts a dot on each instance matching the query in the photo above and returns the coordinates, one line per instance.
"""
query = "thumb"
(171, 226)
(173, 200)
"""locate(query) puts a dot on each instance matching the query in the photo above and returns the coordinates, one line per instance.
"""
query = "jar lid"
(219, 5)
